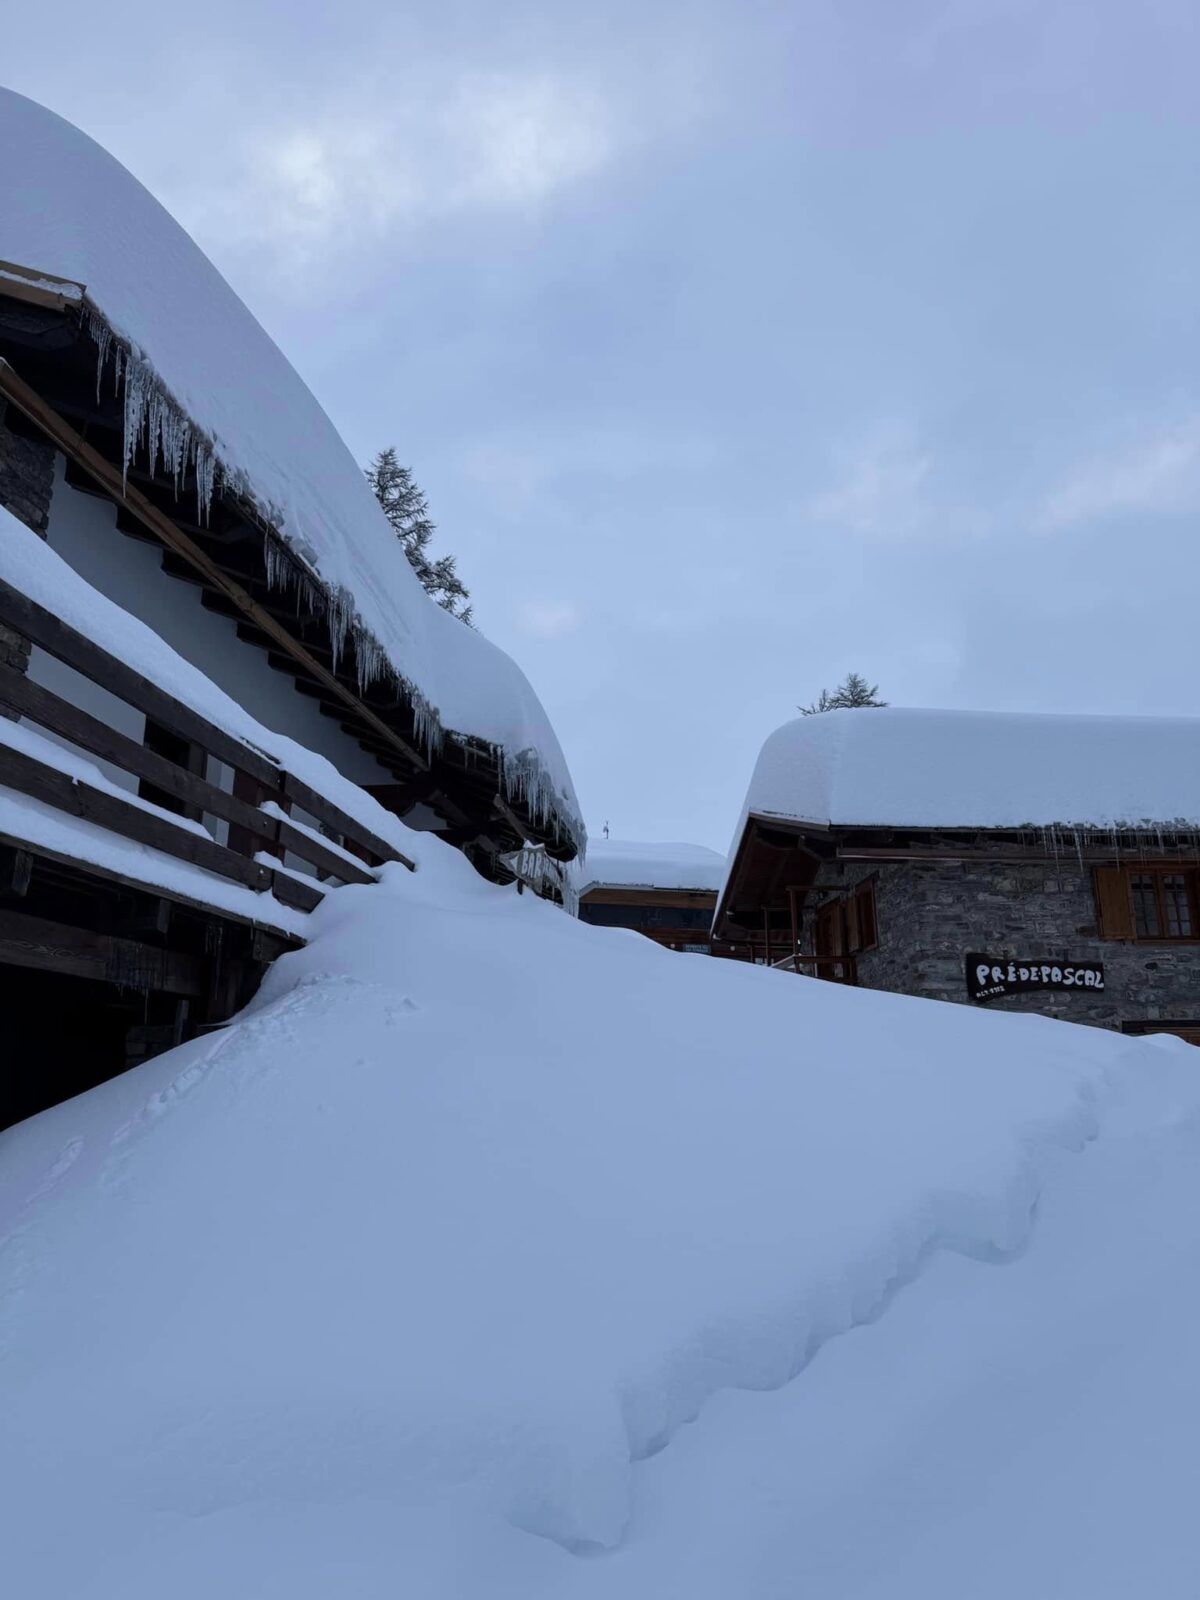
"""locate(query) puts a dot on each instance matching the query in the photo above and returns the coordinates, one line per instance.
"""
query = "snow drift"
(407, 1281)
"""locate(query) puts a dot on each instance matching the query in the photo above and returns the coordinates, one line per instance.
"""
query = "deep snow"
(408, 1281)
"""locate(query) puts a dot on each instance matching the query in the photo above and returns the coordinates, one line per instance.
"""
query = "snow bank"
(210, 386)
(979, 769)
(612, 863)
(460, 1223)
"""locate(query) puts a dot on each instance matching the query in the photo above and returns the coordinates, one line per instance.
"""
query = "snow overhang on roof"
(611, 864)
(976, 770)
(979, 769)
(216, 397)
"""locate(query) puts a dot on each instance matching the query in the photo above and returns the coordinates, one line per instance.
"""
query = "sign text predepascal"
(990, 977)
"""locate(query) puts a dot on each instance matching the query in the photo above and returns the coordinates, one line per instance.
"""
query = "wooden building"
(666, 891)
(220, 680)
(1034, 863)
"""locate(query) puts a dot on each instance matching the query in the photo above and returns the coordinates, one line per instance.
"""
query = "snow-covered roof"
(979, 769)
(204, 376)
(613, 864)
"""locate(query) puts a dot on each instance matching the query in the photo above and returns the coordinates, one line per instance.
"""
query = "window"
(1150, 903)
(861, 930)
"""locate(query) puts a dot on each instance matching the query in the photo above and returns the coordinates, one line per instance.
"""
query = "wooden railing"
(837, 969)
(261, 828)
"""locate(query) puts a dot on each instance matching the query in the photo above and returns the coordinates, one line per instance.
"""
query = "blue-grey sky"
(737, 344)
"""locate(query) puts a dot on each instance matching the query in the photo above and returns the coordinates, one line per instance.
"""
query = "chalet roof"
(613, 863)
(213, 389)
(978, 769)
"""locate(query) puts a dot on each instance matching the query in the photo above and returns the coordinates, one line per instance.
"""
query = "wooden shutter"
(868, 933)
(853, 933)
(1114, 907)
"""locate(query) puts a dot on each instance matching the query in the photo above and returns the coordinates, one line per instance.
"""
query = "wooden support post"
(19, 872)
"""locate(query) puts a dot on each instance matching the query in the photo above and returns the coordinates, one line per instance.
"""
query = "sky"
(737, 345)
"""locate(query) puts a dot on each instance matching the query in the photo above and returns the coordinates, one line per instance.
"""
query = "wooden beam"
(109, 477)
(39, 288)
(42, 946)
(53, 787)
(325, 860)
(77, 866)
(42, 628)
(48, 710)
(296, 891)
(333, 817)
(675, 899)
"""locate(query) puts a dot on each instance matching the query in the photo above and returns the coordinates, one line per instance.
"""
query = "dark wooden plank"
(333, 817)
(77, 865)
(296, 892)
(32, 777)
(48, 710)
(320, 856)
(39, 945)
(42, 628)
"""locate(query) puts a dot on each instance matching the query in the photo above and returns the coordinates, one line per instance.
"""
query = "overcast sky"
(736, 345)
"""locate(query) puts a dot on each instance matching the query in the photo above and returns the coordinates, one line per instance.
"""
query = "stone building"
(1031, 863)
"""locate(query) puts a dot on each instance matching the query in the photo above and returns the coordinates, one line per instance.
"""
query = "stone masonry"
(930, 914)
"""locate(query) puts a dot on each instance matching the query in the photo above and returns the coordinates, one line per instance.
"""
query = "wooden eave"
(48, 377)
(775, 855)
(628, 895)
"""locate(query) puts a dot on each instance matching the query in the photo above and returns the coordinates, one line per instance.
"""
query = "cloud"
(548, 619)
(518, 140)
(1159, 475)
(879, 489)
(313, 186)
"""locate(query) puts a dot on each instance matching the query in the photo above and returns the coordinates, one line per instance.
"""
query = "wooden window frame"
(1117, 921)
(858, 926)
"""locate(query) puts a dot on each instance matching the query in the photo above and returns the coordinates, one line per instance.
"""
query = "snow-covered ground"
(411, 1280)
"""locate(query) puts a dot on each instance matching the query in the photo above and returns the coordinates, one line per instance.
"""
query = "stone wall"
(931, 914)
(26, 477)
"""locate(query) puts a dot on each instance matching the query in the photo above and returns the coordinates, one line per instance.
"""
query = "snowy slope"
(68, 208)
(407, 1282)
(615, 863)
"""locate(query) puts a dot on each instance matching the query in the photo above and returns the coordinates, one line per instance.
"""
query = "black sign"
(990, 977)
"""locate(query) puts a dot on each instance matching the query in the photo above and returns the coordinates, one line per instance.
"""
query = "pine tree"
(853, 691)
(407, 509)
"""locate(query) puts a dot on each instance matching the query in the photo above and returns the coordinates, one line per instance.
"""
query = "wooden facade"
(107, 957)
(50, 396)
(145, 889)
(678, 919)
